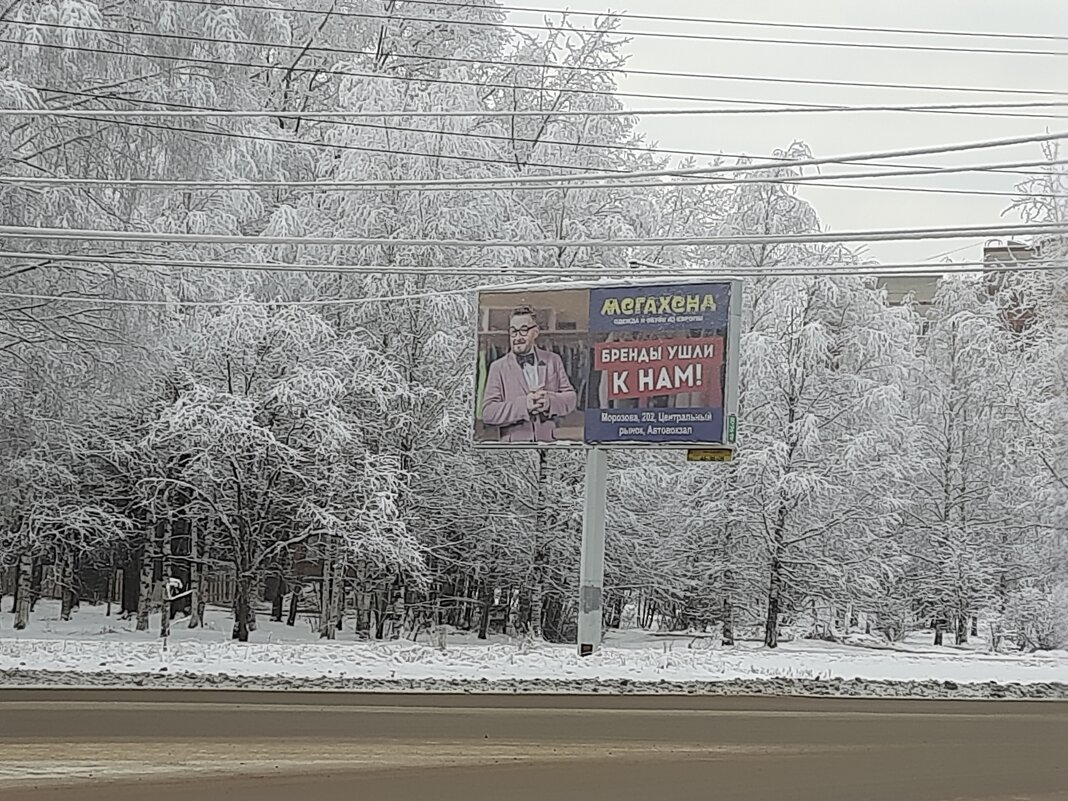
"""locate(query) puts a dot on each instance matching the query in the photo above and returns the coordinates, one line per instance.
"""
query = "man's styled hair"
(525, 311)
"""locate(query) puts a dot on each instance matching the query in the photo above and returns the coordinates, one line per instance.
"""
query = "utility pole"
(591, 575)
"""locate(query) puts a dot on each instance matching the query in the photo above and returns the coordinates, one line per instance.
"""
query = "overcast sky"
(833, 134)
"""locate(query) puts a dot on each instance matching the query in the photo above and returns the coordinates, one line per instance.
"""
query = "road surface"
(130, 745)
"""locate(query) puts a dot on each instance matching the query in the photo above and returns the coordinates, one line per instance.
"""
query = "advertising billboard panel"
(608, 364)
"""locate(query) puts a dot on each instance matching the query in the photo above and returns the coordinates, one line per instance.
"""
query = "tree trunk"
(940, 627)
(294, 600)
(337, 610)
(541, 534)
(363, 611)
(728, 584)
(511, 617)
(196, 575)
(36, 580)
(463, 609)
(327, 622)
(975, 626)
(771, 627)
(962, 630)
(399, 611)
(22, 592)
(326, 631)
(112, 582)
(202, 572)
(75, 582)
(536, 608)
(363, 601)
(383, 610)
(144, 594)
(619, 603)
(278, 603)
(472, 606)
(165, 613)
(131, 585)
(487, 604)
(242, 609)
(254, 585)
(728, 620)
(276, 586)
(65, 569)
(165, 581)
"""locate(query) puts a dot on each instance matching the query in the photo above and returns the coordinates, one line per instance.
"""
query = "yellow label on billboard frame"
(709, 455)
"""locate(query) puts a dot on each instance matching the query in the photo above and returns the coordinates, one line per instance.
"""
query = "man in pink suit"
(527, 389)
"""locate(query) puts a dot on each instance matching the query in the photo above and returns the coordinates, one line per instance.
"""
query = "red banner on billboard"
(647, 368)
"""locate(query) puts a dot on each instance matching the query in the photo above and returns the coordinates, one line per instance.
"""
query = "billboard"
(608, 364)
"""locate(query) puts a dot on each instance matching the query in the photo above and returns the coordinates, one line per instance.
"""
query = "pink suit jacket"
(505, 401)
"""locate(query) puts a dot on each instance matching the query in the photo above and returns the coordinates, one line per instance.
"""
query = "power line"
(151, 260)
(490, 113)
(757, 107)
(950, 252)
(406, 129)
(935, 190)
(779, 273)
(362, 148)
(674, 173)
(499, 184)
(466, 135)
(817, 181)
(651, 34)
(315, 71)
(539, 65)
(753, 23)
(229, 303)
(878, 235)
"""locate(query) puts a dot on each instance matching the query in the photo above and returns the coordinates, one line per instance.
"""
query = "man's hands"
(538, 402)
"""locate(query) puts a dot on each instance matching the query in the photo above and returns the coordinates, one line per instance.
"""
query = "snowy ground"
(92, 643)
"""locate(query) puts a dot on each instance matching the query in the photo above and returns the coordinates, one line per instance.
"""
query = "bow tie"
(525, 359)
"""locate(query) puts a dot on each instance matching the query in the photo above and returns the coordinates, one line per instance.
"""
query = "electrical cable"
(513, 64)
(468, 135)
(758, 106)
(357, 186)
(880, 235)
(720, 21)
(152, 260)
(625, 33)
(491, 113)
(229, 303)
(782, 273)
(700, 171)
(317, 71)
(813, 181)
(358, 148)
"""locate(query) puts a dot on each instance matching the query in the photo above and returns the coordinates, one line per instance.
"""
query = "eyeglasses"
(526, 329)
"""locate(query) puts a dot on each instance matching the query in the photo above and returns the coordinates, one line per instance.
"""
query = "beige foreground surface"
(115, 745)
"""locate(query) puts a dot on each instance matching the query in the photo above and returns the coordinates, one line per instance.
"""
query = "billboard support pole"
(591, 576)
